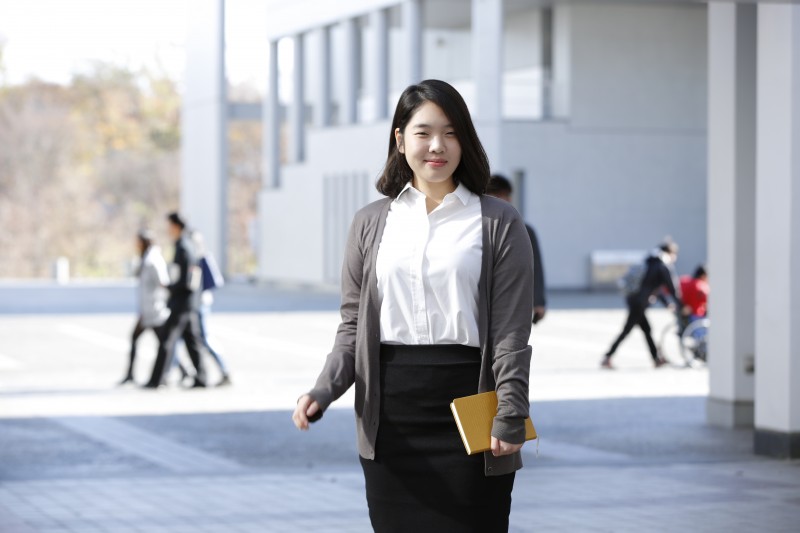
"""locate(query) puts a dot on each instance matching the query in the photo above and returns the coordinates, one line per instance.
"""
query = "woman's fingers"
(300, 415)
(305, 409)
(500, 447)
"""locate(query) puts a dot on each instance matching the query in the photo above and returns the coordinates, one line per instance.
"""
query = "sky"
(52, 39)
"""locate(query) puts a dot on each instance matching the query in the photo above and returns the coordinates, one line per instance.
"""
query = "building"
(621, 122)
(606, 138)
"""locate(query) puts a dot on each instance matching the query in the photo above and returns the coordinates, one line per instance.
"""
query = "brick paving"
(620, 451)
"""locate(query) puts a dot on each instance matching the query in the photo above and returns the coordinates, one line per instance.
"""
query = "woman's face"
(430, 145)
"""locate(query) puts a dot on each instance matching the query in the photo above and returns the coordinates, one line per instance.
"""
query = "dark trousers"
(181, 324)
(636, 317)
(138, 329)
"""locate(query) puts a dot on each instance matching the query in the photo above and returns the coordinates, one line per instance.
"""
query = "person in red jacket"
(695, 291)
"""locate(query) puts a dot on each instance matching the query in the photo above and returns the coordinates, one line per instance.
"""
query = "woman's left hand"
(500, 447)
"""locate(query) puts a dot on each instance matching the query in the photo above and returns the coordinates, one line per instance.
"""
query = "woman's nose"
(436, 144)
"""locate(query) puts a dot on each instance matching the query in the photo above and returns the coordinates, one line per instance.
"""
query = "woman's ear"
(398, 139)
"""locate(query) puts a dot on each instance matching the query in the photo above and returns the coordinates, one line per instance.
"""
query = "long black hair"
(472, 170)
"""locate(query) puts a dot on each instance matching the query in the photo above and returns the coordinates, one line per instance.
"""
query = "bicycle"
(692, 338)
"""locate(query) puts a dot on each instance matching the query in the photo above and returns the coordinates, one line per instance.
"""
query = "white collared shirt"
(428, 269)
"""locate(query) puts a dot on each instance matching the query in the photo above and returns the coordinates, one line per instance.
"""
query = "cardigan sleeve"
(338, 374)
(510, 327)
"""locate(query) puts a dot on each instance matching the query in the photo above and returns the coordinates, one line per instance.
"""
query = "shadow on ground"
(632, 431)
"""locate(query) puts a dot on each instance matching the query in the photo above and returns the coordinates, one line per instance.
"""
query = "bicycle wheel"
(694, 340)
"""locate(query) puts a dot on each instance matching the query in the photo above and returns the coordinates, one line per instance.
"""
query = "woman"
(153, 279)
(436, 304)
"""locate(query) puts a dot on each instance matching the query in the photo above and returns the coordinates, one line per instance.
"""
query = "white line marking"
(93, 336)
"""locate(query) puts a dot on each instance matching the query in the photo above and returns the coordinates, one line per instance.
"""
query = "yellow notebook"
(474, 415)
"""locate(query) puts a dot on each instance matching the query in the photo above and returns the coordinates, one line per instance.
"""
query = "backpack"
(631, 281)
(211, 276)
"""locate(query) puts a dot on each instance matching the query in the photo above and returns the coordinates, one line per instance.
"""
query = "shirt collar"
(461, 192)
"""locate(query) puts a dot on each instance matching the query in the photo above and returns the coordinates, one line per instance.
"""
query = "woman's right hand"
(306, 407)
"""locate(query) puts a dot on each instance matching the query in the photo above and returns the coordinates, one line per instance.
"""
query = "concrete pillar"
(412, 29)
(487, 71)
(204, 123)
(777, 414)
(731, 211)
(547, 40)
(560, 78)
(349, 103)
(322, 117)
(379, 62)
(297, 121)
(271, 125)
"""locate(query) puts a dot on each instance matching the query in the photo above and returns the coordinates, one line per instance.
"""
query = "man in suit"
(500, 187)
(183, 322)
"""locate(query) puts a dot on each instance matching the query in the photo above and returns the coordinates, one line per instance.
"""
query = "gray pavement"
(619, 451)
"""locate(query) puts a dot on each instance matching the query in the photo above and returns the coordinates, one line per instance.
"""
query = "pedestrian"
(211, 280)
(436, 305)
(152, 293)
(500, 187)
(183, 321)
(656, 278)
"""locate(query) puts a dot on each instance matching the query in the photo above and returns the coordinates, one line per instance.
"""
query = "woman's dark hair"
(472, 170)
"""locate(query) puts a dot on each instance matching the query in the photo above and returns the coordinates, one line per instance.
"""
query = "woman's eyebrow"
(423, 126)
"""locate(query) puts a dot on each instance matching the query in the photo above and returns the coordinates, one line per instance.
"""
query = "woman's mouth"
(436, 163)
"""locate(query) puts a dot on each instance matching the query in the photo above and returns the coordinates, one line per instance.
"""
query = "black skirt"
(422, 478)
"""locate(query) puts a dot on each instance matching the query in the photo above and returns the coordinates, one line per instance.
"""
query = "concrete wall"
(629, 165)
(303, 224)
(625, 168)
(589, 191)
(639, 66)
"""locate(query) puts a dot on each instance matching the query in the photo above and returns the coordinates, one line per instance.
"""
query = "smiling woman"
(443, 105)
(436, 288)
(432, 151)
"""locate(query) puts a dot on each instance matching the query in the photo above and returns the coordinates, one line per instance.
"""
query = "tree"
(83, 167)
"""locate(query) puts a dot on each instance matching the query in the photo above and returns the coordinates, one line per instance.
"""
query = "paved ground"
(620, 451)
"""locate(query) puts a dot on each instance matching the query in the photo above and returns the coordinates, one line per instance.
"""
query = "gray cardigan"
(504, 326)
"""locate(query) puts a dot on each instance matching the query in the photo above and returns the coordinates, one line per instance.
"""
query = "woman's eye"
(421, 134)
(451, 134)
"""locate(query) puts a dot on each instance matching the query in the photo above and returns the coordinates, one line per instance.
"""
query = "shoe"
(606, 363)
(198, 384)
(225, 381)
(152, 385)
(660, 361)
(128, 379)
